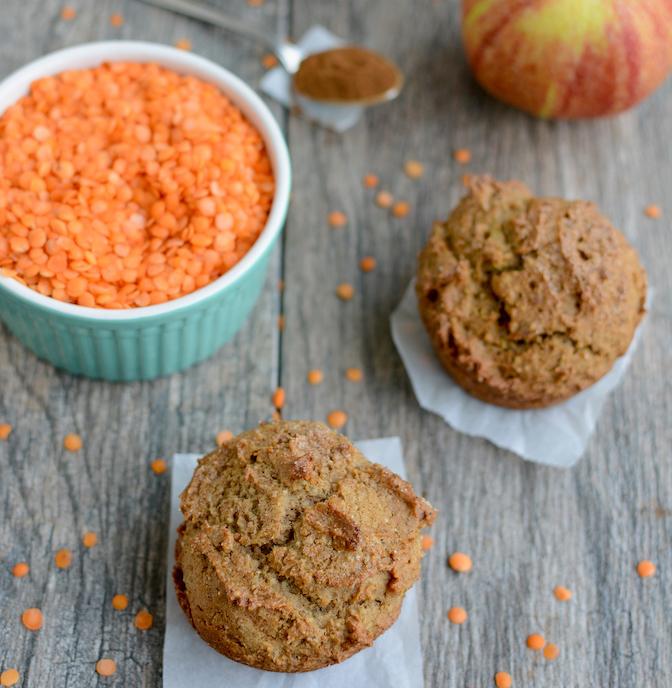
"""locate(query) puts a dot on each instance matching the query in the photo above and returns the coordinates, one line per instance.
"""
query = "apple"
(569, 58)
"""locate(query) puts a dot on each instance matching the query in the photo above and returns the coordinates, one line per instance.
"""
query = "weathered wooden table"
(528, 528)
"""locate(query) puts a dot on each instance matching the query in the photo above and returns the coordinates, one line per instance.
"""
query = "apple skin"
(569, 58)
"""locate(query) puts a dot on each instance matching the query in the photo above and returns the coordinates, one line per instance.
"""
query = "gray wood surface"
(528, 528)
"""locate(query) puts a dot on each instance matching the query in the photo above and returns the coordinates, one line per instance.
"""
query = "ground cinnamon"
(346, 74)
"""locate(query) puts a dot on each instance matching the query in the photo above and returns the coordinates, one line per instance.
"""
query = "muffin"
(295, 551)
(527, 300)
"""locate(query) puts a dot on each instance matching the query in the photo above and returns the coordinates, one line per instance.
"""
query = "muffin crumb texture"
(295, 551)
(528, 300)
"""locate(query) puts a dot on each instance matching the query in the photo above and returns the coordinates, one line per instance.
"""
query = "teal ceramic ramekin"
(144, 343)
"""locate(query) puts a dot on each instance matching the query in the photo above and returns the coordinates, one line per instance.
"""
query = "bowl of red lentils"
(142, 191)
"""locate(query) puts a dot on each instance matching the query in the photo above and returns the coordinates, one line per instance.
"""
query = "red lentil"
(120, 602)
(144, 620)
(159, 466)
(535, 642)
(384, 199)
(646, 568)
(20, 569)
(503, 679)
(345, 291)
(279, 398)
(414, 169)
(89, 539)
(337, 419)
(157, 198)
(68, 13)
(9, 677)
(367, 264)
(269, 60)
(106, 667)
(457, 615)
(63, 558)
(551, 651)
(401, 208)
(370, 181)
(223, 437)
(460, 562)
(5, 430)
(183, 44)
(337, 219)
(462, 156)
(32, 619)
(562, 593)
(72, 442)
(354, 374)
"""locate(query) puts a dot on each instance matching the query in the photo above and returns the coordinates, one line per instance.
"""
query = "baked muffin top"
(528, 300)
(296, 551)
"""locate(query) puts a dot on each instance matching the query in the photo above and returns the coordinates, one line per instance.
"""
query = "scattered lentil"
(315, 376)
(116, 20)
(32, 619)
(370, 181)
(72, 442)
(562, 593)
(63, 558)
(551, 651)
(354, 374)
(427, 542)
(159, 466)
(183, 44)
(9, 677)
(68, 13)
(462, 156)
(5, 430)
(106, 667)
(653, 211)
(414, 169)
(460, 562)
(345, 291)
(384, 199)
(337, 219)
(367, 264)
(223, 436)
(337, 419)
(20, 569)
(89, 539)
(120, 602)
(457, 615)
(158, 198)
(144, 620)
(535, 642)
(269, 60)
(503, 679)
(401, 208)
(646, 568)
(279, 398)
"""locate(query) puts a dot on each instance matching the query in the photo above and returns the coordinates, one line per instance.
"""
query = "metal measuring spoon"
(313, 76)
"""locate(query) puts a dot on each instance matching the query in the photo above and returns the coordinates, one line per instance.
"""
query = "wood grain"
(527, 528)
